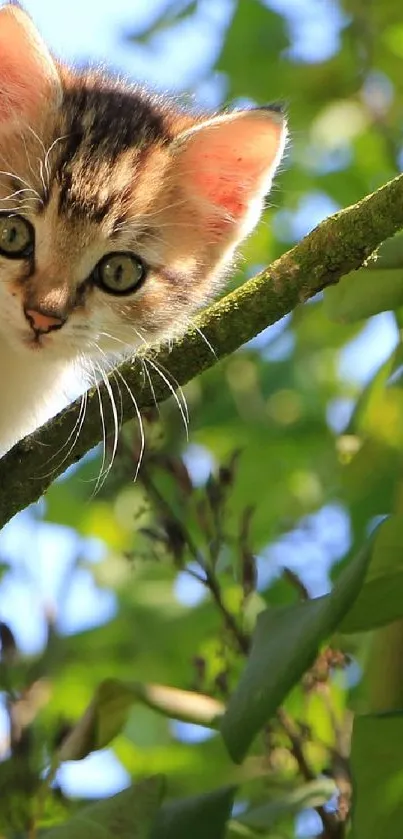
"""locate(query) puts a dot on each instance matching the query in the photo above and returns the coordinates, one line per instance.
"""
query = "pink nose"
(42, 322)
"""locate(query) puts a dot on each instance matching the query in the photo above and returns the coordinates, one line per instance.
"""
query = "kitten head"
(119, 214)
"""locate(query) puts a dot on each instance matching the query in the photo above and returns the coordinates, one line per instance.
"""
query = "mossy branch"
(337, 246)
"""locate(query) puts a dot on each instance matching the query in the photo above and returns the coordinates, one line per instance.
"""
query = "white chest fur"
(33, 388)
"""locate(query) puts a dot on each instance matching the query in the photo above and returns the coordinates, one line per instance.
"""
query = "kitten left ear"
(226, 165)
(28, 75)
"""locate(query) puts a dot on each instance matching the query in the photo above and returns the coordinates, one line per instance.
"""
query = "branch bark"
(337, 246)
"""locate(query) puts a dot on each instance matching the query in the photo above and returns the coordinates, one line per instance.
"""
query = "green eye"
(119, 273)
(17, 236)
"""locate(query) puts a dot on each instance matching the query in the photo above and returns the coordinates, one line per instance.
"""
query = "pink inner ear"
(230, 161)
(212, 182)
(27, 71)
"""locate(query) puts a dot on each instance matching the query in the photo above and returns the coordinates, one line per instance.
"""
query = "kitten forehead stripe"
(111, 120)
(102, 124)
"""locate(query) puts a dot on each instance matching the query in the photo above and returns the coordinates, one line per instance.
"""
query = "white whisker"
(202, 335)
(159, 368)
(30, 166)
(41, 175)
(140, 423)
(102, 416)
(109, 390)
(15, 177)
(150, 382)
(19, 192)
(111, 367)
(76, 433)
(182, 412)
(37, 138)
(48, 153)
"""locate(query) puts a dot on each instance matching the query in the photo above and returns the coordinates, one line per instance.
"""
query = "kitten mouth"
(35, 342)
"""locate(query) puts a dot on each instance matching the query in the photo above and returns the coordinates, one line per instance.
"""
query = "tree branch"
(337, 246)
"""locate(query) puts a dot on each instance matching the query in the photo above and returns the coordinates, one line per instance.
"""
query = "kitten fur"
(97, 166)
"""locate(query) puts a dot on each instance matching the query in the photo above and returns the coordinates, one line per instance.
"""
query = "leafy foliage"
(376, 767)
(253, 573)
(129, 814)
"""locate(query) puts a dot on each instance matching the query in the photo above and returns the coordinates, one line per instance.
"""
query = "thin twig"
(208, 577)
(332, 827)
(242, 640)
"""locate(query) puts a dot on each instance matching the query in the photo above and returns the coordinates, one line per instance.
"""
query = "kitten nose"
(43, 322)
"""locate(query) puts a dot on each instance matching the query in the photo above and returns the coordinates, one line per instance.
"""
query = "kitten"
(119, 215)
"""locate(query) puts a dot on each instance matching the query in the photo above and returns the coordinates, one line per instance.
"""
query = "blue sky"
(95, 32)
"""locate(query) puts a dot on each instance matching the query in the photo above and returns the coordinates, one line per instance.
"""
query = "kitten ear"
(28, 75)
(226, 165)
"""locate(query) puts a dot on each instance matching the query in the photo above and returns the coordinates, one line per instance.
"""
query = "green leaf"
(107, 714)
(285, 643)
(380, 600)
(143, 35)
(379, 603)
(364, 293)
(128, 815)
(389, 254)
(377, 770)
(200, 817)
(309, 795)
(19, 783)
(256, 34)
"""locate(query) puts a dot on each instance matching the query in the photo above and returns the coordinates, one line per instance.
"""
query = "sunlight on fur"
(120, 216)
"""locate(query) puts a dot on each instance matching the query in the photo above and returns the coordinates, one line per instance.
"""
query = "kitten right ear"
(28, 75)
(225, 166)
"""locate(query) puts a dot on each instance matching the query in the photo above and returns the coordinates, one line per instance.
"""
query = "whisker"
(150, 382)
(48, 153)
(16, 210)
(37, 138)
(79, 422)
(205, 339)
(15, 177)
(41, 175)
(111, 367)
(159, 368)
(19, 192)
(30, 166)
(101, 413)
(109, 390)
(140, 424)
(181, 403)
(182, 412)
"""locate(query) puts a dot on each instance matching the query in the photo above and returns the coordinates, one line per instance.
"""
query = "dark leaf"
(285, 644)
(128, 815)
(380, 600)
(308, 795)
(376, 763)
(364, 293)
(201, 817)
(8, 644)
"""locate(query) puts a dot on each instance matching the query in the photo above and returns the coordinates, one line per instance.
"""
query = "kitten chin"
(119, 212)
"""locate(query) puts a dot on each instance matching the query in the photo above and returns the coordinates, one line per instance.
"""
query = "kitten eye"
(17, 236)
(119, 273)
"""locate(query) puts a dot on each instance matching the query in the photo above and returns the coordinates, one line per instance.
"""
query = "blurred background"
(94, 587)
